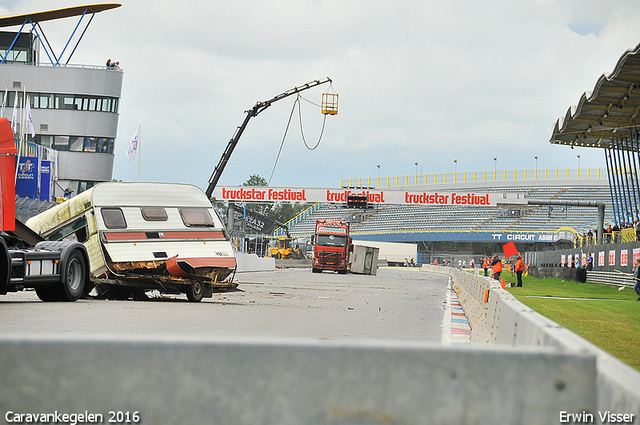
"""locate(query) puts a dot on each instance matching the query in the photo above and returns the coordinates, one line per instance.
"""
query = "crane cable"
(296, 102)
(324, 120)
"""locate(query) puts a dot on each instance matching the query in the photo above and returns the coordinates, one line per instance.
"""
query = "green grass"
(599, 313)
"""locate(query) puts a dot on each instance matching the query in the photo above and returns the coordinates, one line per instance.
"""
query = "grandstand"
(531, 223)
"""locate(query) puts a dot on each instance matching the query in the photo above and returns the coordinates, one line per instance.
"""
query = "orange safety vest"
(497, 268)
(519, 265)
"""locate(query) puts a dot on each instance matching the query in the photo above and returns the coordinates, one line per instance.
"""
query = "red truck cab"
(332, 246)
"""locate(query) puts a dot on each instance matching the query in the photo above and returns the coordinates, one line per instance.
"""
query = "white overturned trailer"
(146, 236)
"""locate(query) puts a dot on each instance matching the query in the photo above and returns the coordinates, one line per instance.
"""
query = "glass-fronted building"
(74, 108)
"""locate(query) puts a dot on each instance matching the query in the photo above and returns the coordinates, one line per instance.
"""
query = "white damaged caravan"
(146, 236)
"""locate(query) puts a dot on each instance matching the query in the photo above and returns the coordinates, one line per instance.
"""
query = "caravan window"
(196, 217)
(113, 218)
(154, 214)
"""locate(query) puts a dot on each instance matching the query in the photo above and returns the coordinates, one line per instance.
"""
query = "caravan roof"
(148, 194)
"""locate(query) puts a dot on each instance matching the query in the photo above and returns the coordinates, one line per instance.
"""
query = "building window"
(46, 141)
(61, 143)
(64, 102)
(90, 144)
(75, 144)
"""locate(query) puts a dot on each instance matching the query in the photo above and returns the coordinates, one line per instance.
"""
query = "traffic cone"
(502, 283)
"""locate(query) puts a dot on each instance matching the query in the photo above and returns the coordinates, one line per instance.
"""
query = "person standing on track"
(485, 266)
(519, 269)
(496, 267)
(636, 275)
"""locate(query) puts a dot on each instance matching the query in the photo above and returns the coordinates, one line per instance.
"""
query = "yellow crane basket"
(330, 103)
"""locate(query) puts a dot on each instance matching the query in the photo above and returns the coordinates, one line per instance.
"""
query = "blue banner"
(45, 181)
(27, 182)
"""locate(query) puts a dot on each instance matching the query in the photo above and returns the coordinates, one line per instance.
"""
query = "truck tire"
(48, 293)
(195, 292)
(5, 267)
(73, 277)
(314, 270)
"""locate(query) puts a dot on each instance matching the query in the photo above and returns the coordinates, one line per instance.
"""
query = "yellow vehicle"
(284, 247)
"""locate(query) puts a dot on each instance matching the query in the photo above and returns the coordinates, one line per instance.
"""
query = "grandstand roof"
(9, 21)
(608, 112)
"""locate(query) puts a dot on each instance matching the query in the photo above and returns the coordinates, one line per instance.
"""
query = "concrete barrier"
(253, 263)
(508, 322)
(242, 381)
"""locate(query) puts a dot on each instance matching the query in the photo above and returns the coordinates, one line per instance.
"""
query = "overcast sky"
(419, 81)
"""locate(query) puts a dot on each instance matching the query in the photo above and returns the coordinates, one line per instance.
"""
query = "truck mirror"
(313, 239)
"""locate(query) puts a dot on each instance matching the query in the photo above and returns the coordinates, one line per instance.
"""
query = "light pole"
(416, 167)
(536, 157)
(495, 163)
(578, 161)
(455, 161)
(378, 174)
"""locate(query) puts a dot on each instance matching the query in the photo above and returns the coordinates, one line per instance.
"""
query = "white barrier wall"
(253, 263)
(291, 382)
(504, 321)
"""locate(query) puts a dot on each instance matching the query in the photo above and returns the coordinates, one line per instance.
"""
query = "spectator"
(519, 269)
(636, 275)
(496, 267)
(485, 266)
(589, 264)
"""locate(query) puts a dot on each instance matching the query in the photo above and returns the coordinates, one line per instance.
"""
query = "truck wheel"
(48, 293)
(195, 291)
(314, 270)
(74, 276)
(342, 271)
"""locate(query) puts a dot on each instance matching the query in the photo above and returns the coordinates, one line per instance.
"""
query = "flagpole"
(139, 152)
(19, 137)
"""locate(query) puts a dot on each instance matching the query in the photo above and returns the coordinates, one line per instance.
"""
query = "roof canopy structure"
(35, 18)
(14, 20)
(608, 113)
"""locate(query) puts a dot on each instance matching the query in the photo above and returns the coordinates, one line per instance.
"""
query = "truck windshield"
(331, 240)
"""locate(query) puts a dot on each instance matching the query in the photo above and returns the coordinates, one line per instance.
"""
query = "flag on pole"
(509, 249)
(133, 147)
(4, 101)
(33, 132)
(14, 119)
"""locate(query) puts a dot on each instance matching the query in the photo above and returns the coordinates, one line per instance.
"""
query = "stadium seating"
(390, 219)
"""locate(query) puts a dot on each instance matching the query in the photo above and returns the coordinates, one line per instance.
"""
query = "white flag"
(4, 101)
(14, 119)
(133, 147)
(33, 133)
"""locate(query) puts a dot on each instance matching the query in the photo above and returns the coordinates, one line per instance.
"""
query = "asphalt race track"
(396, 304)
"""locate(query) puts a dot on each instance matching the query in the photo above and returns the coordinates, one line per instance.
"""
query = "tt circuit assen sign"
(401, 197)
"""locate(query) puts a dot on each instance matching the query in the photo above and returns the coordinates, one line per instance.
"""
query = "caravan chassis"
(123, 288)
